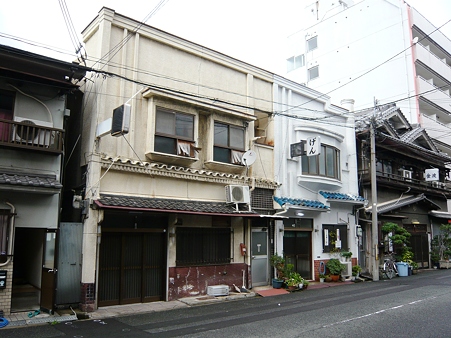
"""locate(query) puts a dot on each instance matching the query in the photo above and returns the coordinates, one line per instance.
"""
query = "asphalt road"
(415, 306)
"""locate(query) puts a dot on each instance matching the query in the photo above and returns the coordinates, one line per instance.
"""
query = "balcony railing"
(30, 136)
(400, 181)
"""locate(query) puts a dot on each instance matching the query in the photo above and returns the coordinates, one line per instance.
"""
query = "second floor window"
(174, 133)
(327, 163)
(228, 143)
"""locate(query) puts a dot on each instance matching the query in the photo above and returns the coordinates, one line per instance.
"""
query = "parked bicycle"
(388, 268)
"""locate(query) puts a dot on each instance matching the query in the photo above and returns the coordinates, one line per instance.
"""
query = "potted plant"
(347, 255)
(305, 284)
(278, 263)
(322, 277)
(356, 269)
(441, 247)
(335, 268)
(293, 281)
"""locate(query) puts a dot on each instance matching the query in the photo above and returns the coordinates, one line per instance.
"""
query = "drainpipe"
(11, 235)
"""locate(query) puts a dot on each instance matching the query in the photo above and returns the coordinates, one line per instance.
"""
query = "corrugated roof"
(172, 205)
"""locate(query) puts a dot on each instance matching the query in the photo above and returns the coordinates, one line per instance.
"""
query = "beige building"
(175, 201)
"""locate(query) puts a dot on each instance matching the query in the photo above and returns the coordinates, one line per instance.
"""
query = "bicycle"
(389, 268)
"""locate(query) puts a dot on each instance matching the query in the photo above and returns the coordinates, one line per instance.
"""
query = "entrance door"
(297, 250)
(48, 273)
(259, 257)
(132, 267)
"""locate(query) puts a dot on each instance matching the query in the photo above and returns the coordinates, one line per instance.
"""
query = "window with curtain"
(174, 133)
(228, 143)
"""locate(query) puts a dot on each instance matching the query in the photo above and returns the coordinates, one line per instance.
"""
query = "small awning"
(135, 203)
(401, 202)
(440, 214)
(301, 204)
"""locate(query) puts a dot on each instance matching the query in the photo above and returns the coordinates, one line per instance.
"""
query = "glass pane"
(322, 162)
(313, 73)
(305, 168)
(3, 234)
(237, 138)
(299, 61)
(49, 254)
(165, 123)
(165, 145)
(290, 64)
(221, 135)
(330, 162)
(184, 125)
(221, 155)
(312, 165)
(312, 43)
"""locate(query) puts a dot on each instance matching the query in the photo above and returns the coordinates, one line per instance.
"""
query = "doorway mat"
(272, 292)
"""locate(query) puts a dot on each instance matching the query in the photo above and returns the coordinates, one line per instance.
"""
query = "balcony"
(403, 182)
(28, 136)
(431, 62)
(437, 98)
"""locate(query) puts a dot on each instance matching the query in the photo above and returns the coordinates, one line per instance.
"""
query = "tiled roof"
(300, 202)
(172, 205)
(341, 197)
(29, 181)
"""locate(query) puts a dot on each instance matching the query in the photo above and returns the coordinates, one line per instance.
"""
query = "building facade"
(35, 107)
(178, 196)
(376, 50)
(319, 194)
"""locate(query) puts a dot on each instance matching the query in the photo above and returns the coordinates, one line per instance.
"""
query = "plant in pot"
(335, 268)
(346, 255)
(322, 277)
(441, 247)
(293, 281)
(305, 284)
(278, 263)
(356, 269)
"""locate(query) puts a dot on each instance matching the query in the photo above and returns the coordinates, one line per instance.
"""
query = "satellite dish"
(249, 158)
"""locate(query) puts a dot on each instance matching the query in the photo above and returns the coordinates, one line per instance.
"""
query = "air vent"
(237, 194)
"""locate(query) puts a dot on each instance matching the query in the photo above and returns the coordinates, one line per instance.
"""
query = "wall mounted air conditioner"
(32, 133)
(237, 194)
(407, 174)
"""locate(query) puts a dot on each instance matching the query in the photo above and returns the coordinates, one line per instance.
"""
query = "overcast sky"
(253, 31)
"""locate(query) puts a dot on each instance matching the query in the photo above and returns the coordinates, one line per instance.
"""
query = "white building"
(376, 50)
(319, 193)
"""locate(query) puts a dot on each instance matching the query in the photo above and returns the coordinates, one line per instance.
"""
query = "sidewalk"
(21, 318)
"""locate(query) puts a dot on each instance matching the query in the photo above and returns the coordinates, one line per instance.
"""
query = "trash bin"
(403, 270)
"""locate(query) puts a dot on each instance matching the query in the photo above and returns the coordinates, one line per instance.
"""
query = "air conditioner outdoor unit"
(347, 271)
(31, 133)
(237, 194)
(407, 174)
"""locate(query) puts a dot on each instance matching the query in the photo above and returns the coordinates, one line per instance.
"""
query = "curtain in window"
(237, 157)
(183, 148)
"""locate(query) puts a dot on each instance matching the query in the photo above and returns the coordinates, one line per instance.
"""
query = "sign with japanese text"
(313, 146)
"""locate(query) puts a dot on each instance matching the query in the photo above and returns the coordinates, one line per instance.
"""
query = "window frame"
(330, 248)
(196, 246)
(310, 41)
(5, 224)
(295, 62)
(239, 151)
(309, 71)
(182, 145)
(315, 164)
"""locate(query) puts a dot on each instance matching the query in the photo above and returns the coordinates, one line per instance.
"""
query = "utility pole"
(374, 227)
